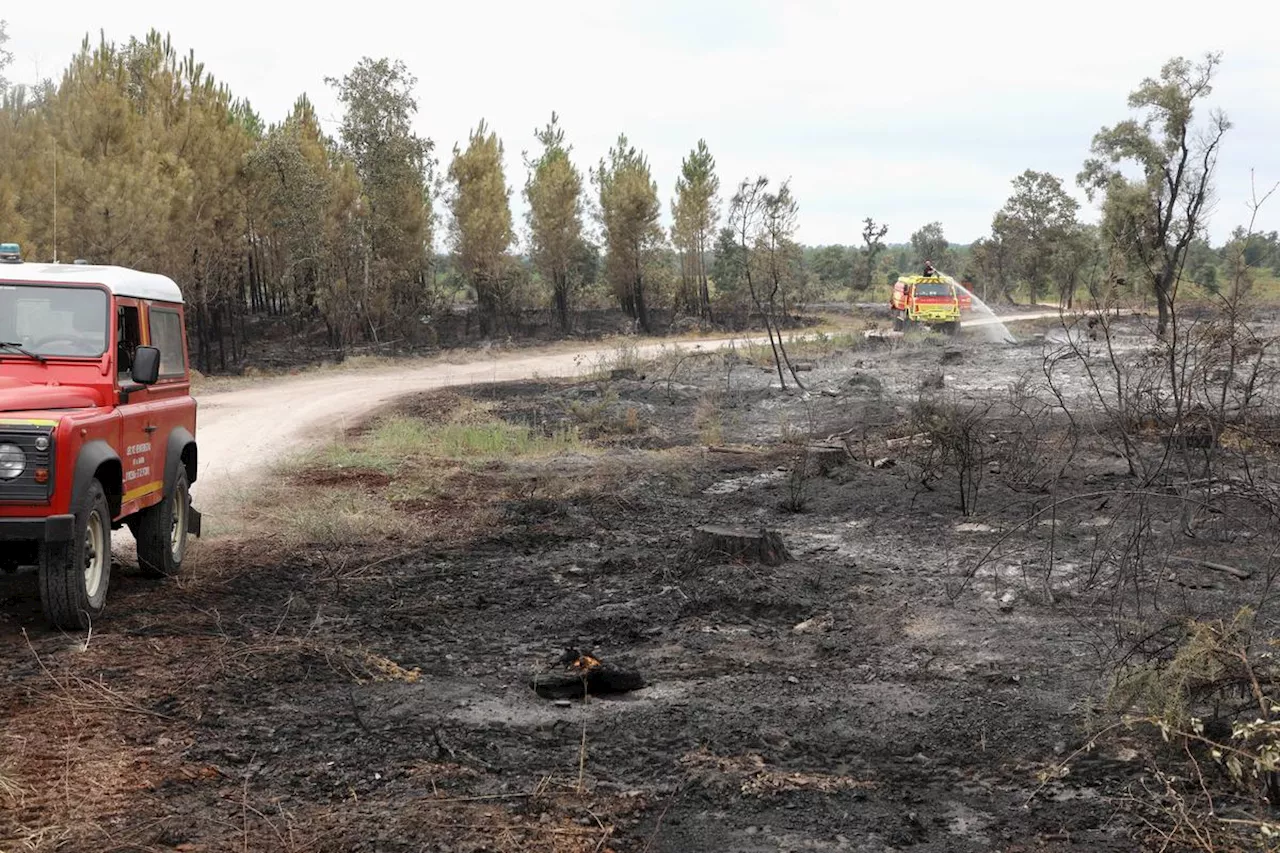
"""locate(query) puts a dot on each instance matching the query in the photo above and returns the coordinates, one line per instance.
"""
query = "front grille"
(24, 487)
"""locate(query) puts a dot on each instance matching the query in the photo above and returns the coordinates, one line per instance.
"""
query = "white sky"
(905, 111)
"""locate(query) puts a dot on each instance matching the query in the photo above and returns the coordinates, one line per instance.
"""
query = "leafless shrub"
(1041, 436)
(797, 499)
(955, 446)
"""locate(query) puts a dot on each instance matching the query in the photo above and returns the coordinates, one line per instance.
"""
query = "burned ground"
(886, 689)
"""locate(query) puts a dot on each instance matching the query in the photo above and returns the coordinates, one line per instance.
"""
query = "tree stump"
(827, 456)
(760, 546)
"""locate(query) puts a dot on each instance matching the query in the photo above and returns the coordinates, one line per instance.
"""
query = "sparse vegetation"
(377, 483)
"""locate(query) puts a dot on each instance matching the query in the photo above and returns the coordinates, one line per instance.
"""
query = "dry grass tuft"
(755, 778)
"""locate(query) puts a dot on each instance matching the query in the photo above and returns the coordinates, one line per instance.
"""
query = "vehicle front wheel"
(74, 575)
(162, 530)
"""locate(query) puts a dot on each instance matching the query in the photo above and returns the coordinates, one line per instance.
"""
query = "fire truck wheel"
(162, 530)
(900, 321)
(74, 575)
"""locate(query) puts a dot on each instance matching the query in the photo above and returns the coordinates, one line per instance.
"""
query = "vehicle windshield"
(50, 320)
(933, 290)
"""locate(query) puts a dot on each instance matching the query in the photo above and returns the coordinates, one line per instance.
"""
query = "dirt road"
(241, 429)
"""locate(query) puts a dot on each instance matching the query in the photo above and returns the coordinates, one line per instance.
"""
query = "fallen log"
(907, 440)
(1238, 574)
(760, 545)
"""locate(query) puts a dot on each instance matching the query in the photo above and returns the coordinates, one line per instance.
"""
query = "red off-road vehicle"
(97, 427)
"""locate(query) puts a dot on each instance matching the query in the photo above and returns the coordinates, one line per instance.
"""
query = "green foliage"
(988, 268)
(302, 196)
(728, 267)
(628, 214)
(1184, 687)
(832, 266)
(930, 244)
(1037, 225)
(553, 190)
(1258, 250)
(480, 230)
(1149, 223)
(396, 170)
(157, 166)
(694, 211)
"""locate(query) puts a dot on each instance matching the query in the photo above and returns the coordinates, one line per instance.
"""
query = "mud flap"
(193, 521)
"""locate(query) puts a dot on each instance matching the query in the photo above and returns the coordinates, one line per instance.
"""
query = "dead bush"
(956, 444)
(1041, 436)
(797, 499)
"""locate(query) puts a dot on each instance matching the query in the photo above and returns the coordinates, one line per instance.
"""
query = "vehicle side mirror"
(146, 365)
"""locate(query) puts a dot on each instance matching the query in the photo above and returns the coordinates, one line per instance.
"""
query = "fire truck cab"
(97, 427)
(933, 300)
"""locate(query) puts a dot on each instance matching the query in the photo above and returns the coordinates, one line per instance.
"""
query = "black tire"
(74, 575)
(162, 530)
(900, 321)
(951, 328)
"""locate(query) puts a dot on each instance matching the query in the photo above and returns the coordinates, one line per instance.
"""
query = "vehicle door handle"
(149, 429)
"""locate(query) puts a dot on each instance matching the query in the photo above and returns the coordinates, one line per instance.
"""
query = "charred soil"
(876, 692)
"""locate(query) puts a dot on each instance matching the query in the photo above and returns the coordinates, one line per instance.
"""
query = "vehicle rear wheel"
(162, 530)
(900, 321)
(74, 575)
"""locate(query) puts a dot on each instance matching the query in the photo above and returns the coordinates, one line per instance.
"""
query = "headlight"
(12, 461)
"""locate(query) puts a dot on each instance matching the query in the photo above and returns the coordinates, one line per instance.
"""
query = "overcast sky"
(905, 111)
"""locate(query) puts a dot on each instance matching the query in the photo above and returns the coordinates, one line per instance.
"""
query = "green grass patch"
(379, 485)
(498, 440)
(467, 433)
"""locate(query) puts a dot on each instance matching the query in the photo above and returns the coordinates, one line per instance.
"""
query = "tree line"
(140, 157)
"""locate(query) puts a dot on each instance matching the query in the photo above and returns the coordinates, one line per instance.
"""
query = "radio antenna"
(55, 201)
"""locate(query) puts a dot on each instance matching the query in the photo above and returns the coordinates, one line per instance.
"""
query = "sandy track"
(242, 430)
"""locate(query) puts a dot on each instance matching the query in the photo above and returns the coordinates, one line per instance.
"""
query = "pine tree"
(694, 211)
(628, 214)
(554, 193)
(395, 169)
(481, 231)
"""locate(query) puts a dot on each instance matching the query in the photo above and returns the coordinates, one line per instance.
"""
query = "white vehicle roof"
(119, 280)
